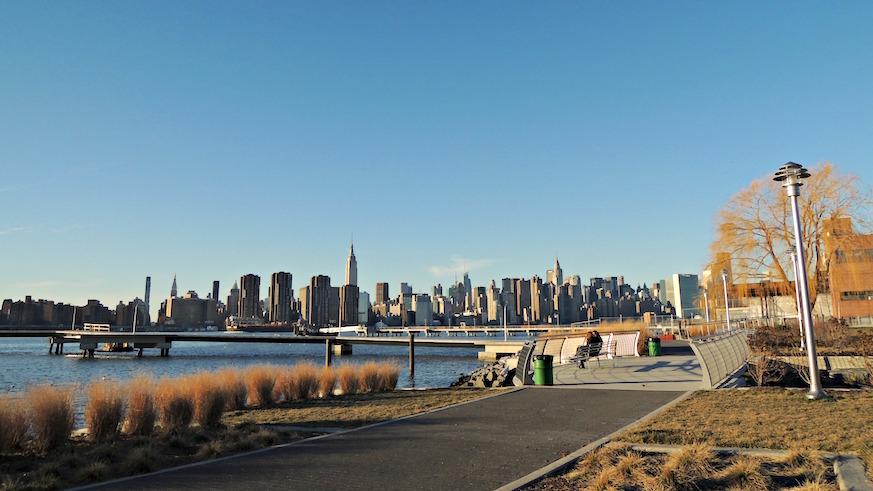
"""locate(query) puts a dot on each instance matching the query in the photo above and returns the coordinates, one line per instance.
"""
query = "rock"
(497, 374)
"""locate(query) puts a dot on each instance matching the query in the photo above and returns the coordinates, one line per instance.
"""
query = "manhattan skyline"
(161, 138)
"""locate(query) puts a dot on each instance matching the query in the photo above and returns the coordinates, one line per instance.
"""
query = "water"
(25, 362)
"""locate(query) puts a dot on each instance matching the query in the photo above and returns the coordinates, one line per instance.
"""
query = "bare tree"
(754, 227)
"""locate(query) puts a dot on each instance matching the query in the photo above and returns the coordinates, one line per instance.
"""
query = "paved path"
(479, 445)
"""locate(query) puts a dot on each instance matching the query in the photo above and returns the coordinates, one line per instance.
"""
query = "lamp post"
(706, 303)
(727, 310)
(790, 176)
(797, 293)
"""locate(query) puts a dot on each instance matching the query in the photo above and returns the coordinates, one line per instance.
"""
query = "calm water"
(25, 362)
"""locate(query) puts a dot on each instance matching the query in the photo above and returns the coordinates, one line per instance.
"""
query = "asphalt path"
(480, 445)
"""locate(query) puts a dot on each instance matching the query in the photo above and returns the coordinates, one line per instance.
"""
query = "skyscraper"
(555, 276)
(319, 300)
(249, 297)
(352, 267)
(281, 296)
(233, 300)
(382, 293)
(173, 288)
(148, 292)
(215, 290)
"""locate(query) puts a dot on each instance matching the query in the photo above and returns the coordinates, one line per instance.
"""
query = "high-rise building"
(148, 292)
(523, 300)
(382, 293)
(249, 297)
(319, 300)
(468, 292)
(233, 300)
(685, 293)
(215, 290)
(349, 305)
(555, 276)
(352, 268)
(281, 297)
(405, 289)
(173, 289)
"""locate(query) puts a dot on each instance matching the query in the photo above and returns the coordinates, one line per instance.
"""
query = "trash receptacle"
(543, 370)
(654, 346)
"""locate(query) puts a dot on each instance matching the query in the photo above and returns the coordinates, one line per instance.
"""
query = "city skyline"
(438, 135)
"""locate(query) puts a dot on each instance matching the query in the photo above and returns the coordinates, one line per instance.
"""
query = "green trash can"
(543, 370)
(654, 346)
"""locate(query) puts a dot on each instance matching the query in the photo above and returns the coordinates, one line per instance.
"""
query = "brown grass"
(260, 381)
(13, 424)
(141, 413)
(389, 374)
(175, 401)
(210, 399)
(326, 381)
(347, 376)
(104, 411)
(51, 415)
(298, 382)
(368, 377)
(234, 387)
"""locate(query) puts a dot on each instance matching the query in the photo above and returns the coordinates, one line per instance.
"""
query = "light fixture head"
(791, 174)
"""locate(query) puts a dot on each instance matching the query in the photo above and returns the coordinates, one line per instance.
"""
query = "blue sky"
(215, 139)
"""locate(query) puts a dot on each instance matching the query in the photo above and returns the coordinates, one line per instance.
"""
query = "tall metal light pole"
(790, 176)
(727, 310)
(797, 294)
(706, 303)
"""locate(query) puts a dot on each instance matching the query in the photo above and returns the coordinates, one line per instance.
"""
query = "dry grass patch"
(13, 424)
(347, 375)
(141, 412)
(356, 410)
(234, 387)
(51, 415)
(260, 381)
(210, 399)
(326, 381)
(175, 401)
(300, 381)
(619, 466)
(104, 411)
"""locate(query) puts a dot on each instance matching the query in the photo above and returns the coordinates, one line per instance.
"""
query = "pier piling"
(411, 354)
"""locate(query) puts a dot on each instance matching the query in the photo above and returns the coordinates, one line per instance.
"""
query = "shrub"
(389, 374)
(326, 381)
(52, 416)
(234, 388)
(348, 379)
(299, 382)
(210, 399)
(368, 376)
(141, 414)
(175, 401)
(104, 411)
(13, 424)
(260, 380)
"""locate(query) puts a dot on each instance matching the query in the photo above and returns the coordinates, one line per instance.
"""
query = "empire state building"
(352, 268)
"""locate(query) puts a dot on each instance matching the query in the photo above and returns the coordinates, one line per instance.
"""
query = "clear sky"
(213, 139)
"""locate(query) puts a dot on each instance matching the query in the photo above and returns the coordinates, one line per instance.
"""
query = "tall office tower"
(233, 300)
(352, 268)
(508, 285)
(437, 291)
(304, 304)
(148, 292)
(173, 288)
(522, 300)
(319, 300)
(537, 309)
(281, 296)
(555, 276)
(405, 289)
(576, 299)
(382, 293)
(349, 305)
(685, 293)
(215, 290)
(249, 297)
(495, 309)
(468, 292)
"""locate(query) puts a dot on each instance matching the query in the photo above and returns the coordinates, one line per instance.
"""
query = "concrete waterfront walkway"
(482, 445)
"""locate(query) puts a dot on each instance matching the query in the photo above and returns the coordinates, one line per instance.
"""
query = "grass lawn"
(746, 418)
(80, 461)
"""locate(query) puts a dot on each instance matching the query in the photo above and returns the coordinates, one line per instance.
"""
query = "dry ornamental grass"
(104, 411)
(141, 413)
(51, 415)
(13, 424)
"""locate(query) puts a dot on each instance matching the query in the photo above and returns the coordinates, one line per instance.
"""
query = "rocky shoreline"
(497, 374)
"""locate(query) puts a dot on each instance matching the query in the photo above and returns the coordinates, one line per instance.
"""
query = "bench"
(595, 351)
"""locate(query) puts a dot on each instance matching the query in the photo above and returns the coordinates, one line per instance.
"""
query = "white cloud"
(12, 230)
(460, 264)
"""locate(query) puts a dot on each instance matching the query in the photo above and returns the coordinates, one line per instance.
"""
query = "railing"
(721, 356)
